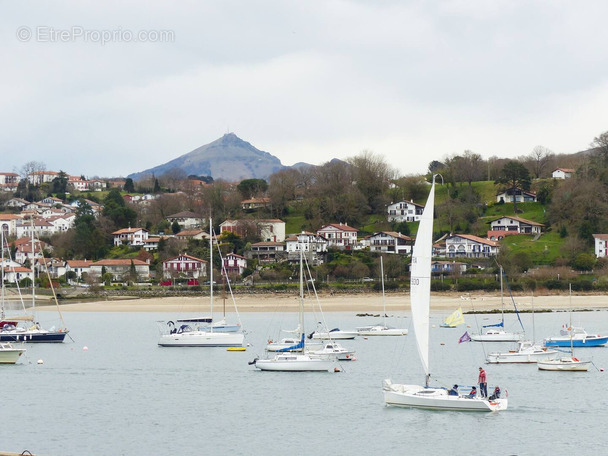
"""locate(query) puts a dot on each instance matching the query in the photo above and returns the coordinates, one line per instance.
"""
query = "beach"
(356, 303)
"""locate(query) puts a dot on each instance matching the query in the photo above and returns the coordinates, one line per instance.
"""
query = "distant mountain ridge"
(229, 158)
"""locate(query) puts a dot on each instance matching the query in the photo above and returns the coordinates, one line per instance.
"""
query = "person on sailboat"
(495, 394)
(453, 391)
(473, 393)
(483, 383)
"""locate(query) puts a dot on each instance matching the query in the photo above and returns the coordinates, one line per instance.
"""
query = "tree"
(59, 185)
(129, 185)
(249, 188)
(467, 167)
(117, 211)
(175, 228)
(372, 176)
(515, 176)
(539, 159)
(601, 144)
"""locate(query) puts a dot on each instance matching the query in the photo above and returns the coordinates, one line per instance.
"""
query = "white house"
(14, 273)
(78, 183)
(235, 264)
(79, 267)
(601, 245)
(405, 211)
(187, 220)
(40, 226)
(199, 235)
(184, 265)
(120, 268)
(467, 245)
(562, 173)
(41, 177)
(520, 196)
(9, 182)
(130, 236)
(8, 224)
(339, 236)
(389, 242)
(445, 267)
(17, 202)
(517, 224)
(266, 229)
(51, 200)
(313, 246)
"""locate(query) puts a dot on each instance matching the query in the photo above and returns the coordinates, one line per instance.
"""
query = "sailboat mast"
(33, 273)
(211, 267)
(570, 329)
(383, 300)
(301, 321)
(2, 272)
(502, 302)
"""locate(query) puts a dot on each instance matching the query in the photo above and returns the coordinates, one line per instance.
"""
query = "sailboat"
(453, 320)
(527, 351)
(428, 397)
(383, 329)
(201, 332)
(10, 329)
(498, 333)
(566, 363)
(286, 359)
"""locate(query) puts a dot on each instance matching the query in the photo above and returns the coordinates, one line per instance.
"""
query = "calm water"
(125, 395)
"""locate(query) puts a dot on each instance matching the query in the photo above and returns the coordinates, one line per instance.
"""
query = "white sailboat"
(527, 351)
(286, 360)
(198, 332)
(566, 363)
(427, 397)
(497, 332)
(383, 329)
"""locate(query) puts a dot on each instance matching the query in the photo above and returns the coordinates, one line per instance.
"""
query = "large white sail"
(420, 282)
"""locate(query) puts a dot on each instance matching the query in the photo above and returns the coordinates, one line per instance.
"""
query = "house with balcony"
(448, 267)
(514, 224)
(186, 266)
(313, 245)
(267, 252)
(235, 264)
(404, 211)
(389, 242)
(470, 246)
(130, 236)
(253, 204)
(78, 267)
(600, 245)
(339, 235)
(9, 182)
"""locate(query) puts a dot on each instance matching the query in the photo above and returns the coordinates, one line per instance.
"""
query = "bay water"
(124, 395)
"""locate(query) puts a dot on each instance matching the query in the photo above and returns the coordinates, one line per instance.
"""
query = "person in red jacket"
(483, 383)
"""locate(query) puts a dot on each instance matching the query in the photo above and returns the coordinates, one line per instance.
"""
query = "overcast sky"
(304, 80)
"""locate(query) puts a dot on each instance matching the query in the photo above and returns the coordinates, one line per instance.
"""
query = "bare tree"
(373, 176)
(539, 158)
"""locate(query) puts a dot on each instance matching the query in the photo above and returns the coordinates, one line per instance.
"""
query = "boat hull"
(202, 339)
(527, 354)
(587, 342)
(502, 337)
(335, 335)
(9, 354)
(381, 331)
(414, 396)
(294, 363)
(33, 336)
(564, 365)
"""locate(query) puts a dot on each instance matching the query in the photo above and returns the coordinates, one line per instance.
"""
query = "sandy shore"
(358, 303)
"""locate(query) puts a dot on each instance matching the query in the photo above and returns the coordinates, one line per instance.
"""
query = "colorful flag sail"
(464, 338)
(457, 318)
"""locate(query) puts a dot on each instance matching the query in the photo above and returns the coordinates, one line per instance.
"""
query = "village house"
(51, 201)
(601, 245)
(516, 224)
(266, 229)
(313, 245)
(97, 185)
(39, 226)
(25, 251)
(267, 251)
(121, 269)
(235, 264)
(389, 242)
(404, 211)
(448, 267)
(78, 267)
(470, 246)
(340, 236)
(9, 182)
(54, 267)
(562, 173)
(8, 224)
(187, 220)
(14, 273)
(199, 235)
(520, 196)
(186, 266)
(130, 236)
(17, 202)
(253, 204)
(78, 183)
(41, 177)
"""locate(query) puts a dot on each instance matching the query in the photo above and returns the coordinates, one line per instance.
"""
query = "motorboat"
(526, 352)
(334, 334)
(10, 354)
(579, 337)
(566, 363)
(335, 350)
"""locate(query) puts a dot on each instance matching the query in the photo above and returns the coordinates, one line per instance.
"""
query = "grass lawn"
(543, 251)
